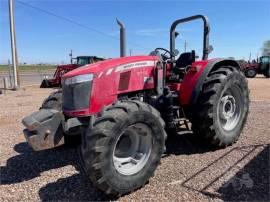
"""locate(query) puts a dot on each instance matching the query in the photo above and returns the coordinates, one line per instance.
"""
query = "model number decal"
(135, 65)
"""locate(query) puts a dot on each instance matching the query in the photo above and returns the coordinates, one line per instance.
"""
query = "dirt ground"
(259, 88)
(189, 171)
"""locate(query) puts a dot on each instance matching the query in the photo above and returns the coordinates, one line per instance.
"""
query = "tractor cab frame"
(179, 65)
(84, 60)
(206, 47)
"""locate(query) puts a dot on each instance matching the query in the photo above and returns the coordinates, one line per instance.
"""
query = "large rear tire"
(122, 148)
(267, 72)
(223, 107)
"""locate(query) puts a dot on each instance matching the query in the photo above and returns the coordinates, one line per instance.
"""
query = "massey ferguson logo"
(135, 65)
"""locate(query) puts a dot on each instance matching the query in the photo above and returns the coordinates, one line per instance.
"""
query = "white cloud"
(114, 33)
(157, 32)
(150, 32)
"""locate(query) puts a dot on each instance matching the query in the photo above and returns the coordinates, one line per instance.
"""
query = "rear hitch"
(44, 129)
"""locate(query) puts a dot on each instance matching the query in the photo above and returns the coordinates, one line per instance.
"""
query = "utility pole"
(185, 46)
(13, 45)
(130, 52)
(249, 57)
(9, 73)
(70, 54)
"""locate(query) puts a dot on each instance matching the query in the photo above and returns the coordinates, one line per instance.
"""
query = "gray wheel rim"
(230, 108)
(251, 72)
(132, 149)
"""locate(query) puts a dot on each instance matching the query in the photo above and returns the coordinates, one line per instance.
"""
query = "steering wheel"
(164, 54)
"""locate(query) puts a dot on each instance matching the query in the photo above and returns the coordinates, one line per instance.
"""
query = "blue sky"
(237, 27)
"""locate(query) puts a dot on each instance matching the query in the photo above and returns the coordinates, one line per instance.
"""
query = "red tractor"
(251, 69)
(62, 69)
(124, 109)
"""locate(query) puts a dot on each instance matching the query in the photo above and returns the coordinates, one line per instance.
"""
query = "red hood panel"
(107, 64)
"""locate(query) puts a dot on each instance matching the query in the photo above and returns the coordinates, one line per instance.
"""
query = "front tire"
(54, 101)
(123, 147)
(223, 107)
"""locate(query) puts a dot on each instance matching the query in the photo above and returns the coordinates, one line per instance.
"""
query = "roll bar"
(206, 26)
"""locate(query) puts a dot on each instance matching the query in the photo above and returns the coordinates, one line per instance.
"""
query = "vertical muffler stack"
(122, 38)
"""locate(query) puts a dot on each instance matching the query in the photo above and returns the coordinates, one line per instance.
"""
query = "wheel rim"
(230, 108)
(132, 149)
(251, 72)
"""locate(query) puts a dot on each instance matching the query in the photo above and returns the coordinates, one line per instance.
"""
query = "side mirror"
(210, 49)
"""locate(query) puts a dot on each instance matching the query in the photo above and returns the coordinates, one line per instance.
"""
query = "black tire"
(251, 73)
(54, 101)
(101, 137)
(267, 73)
(45, 84)
(210, 114)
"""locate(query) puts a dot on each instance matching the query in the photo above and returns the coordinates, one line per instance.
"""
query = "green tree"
(266, 48)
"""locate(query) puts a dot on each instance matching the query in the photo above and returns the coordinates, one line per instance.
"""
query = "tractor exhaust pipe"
(122, 38)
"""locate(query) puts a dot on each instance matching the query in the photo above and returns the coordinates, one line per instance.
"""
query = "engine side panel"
(109, 85)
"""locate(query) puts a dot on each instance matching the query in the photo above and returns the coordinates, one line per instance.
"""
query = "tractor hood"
(109, 65)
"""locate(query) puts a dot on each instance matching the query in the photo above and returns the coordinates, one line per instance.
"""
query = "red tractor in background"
(62, 69)
(261, 66)
(124, 109)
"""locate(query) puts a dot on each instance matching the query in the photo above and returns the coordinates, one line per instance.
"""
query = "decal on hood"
(140, 64)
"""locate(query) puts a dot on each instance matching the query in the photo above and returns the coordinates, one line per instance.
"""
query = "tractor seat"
(185, 59)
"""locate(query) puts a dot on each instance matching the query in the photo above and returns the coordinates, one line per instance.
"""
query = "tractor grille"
(76, 96)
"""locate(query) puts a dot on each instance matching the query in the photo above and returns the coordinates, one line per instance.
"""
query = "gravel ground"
(189, 171)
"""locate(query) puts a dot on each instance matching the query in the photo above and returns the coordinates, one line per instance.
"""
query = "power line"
(74, 22)
(66, 19)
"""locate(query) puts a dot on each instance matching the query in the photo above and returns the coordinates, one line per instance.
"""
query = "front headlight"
(79, 79)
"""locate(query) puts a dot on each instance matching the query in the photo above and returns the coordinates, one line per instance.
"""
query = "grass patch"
(30, 68)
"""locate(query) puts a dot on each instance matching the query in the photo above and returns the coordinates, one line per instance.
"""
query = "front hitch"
(44, 129)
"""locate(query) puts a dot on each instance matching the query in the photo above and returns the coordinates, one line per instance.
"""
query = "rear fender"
(193, 81)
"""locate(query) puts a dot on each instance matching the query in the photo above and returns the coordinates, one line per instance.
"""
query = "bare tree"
(266, 48)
